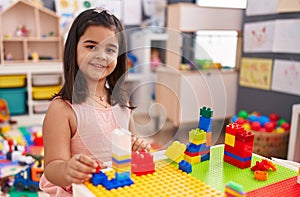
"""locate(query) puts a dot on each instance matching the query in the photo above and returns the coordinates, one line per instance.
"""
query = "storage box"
(12, 81)
(44, 92)
(46, 80)
(271, 144)
(16, 99)
(41, 107)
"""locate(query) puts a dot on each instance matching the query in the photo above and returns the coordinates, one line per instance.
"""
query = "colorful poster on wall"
(259, 36)
(261, 7)
(288, 6)
(256, 73)
(286, 76)
(286, 36)
(68, 9)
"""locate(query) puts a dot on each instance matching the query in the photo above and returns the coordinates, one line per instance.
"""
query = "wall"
(268, 101)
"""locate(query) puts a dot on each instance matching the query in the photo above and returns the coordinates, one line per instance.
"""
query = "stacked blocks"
(238, 146)
(142, 163)
(121, 162)
(198, 149)
(233, 189)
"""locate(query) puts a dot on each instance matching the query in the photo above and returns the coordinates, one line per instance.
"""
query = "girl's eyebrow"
(94, 42)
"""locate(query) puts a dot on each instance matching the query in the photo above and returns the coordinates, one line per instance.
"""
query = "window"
(223, 3)
(218, 46)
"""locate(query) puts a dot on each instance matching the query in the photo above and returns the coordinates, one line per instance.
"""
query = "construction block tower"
(121, 153)
(198, 149)
(238, 146)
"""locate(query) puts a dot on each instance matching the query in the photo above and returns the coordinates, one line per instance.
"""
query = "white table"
(294, 141)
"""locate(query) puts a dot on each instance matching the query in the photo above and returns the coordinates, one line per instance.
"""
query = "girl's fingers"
(86, 160)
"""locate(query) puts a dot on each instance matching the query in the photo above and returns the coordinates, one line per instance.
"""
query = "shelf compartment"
(16, 99)
(13, 51)
(44, 92)
(48, 23)
(45, 50)
(11, 20)
(12, 81)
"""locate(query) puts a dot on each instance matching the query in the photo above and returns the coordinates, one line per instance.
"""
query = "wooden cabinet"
(29, 34)
(183, 93)
(30, 45)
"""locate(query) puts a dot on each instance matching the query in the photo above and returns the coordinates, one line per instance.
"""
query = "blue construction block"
(122, 175)
(193, 148)
(98, 178)
(205, 124)
(205, 157)
(121, 161)
(185, 166)
(237, 157)
(114, 183)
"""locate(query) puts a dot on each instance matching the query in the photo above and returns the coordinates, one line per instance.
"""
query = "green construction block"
(206, 112)
(197, 135)
(14, 193)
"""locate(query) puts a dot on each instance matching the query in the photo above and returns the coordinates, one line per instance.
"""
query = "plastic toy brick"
(205, 157)
(142, 163)
(264, 165)
(240, 149)
(175, 152)
(233, 128)
(208, 138)
(229, 139)
(236, 162)
(194, 154)
(98, 178)
(185, 166)
(192, 160)
(206, 112)
(197, 135)
(194, 148)
(260, 175)
(205, 124)
(235, 190)
(244, 136)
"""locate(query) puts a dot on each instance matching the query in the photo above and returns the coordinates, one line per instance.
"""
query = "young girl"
(91, 104)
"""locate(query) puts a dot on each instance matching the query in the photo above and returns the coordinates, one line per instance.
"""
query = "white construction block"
(121, 142)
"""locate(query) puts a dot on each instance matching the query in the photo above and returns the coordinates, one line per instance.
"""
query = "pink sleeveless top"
(92, 138)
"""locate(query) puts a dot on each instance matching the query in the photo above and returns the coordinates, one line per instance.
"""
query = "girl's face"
(97, 52)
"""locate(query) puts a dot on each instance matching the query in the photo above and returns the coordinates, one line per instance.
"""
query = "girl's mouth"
(98, 65)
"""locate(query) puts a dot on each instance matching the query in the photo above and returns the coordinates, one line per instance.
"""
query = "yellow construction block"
(229, 139)
(175, 152)
(192, 160)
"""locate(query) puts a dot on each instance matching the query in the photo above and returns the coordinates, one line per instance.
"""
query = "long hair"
(75, 86)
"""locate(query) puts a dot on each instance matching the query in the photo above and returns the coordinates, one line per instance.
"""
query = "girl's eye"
(109, 50)
(91, 47)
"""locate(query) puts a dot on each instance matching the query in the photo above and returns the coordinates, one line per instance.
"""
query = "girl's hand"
(79, 168)
(139, 144)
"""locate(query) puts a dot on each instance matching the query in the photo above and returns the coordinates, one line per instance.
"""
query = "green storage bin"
(16, 99)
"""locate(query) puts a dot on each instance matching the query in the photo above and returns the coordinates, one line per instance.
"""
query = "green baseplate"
(216, 173)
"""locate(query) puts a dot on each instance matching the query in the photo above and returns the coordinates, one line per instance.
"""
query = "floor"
(161, 134)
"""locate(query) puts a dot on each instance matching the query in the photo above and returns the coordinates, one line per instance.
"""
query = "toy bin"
(12, 81)
(271, 144)
(44, 92)
(16, 99)
(46, 80)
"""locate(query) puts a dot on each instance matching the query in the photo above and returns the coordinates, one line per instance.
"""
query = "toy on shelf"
(4, 116)
(238, 146)
(234, 190)
(271, 132)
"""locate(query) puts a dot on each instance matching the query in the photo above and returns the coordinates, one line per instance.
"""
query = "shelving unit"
(183, 93)
(30, 44)
(40, 35)
(143, 89)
